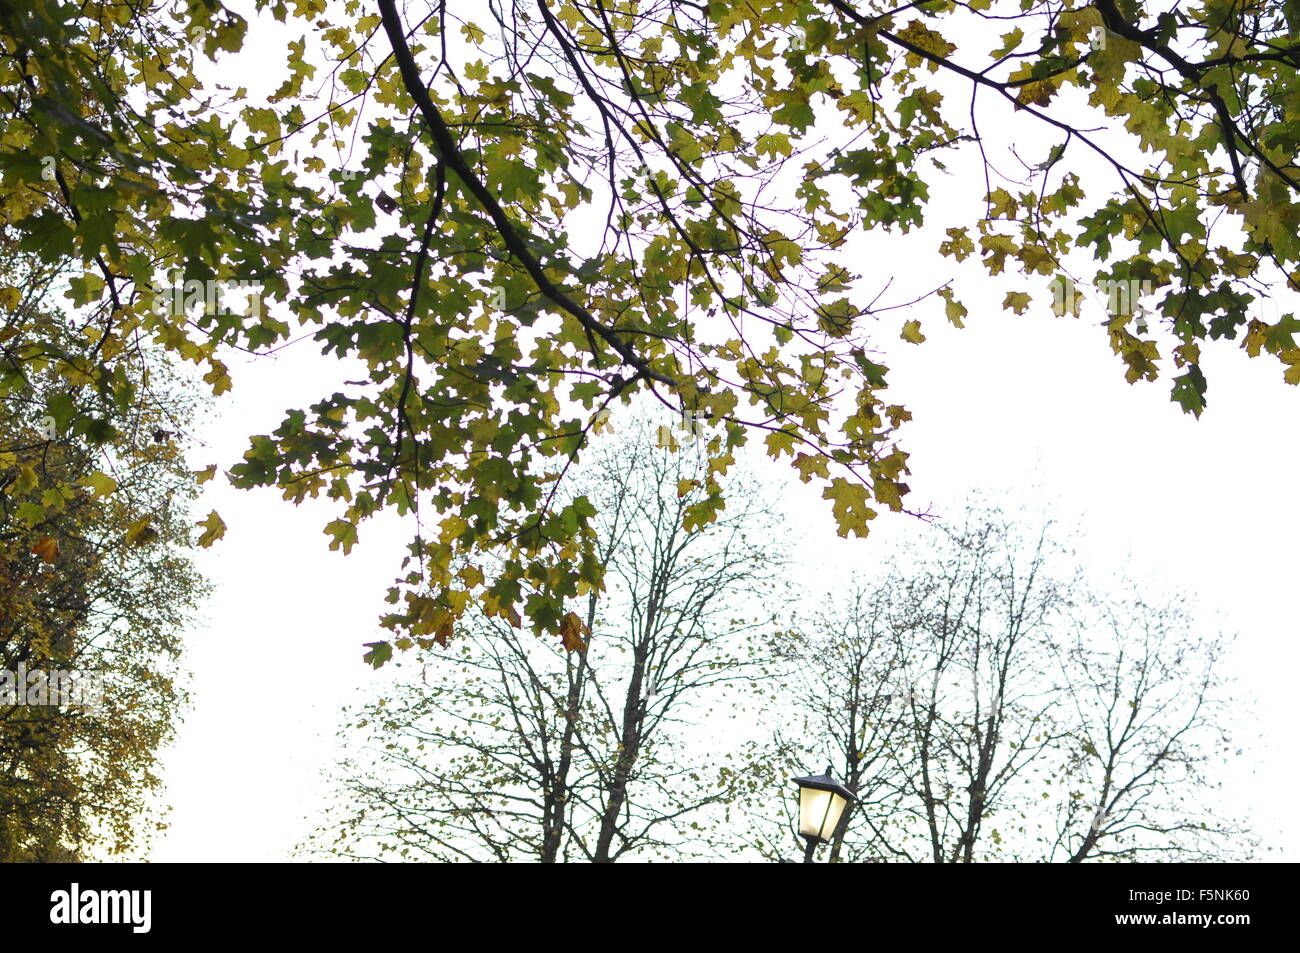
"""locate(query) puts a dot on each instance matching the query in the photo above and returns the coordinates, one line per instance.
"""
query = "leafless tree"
(1147, 714)
(507, 747)
(845, 674)
(988, 702)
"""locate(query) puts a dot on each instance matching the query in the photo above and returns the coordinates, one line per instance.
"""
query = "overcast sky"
(1031, 409)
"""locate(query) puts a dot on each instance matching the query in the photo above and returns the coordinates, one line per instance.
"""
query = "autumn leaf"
(572, 630)
(920, 35)
(849, 506)
(953, 309)
(47, 548)
(912, 332)
(141, 532)
(1036, 94)
(380, 652)
(100, 484)
(443, 635)
(214, 528)
(1016, 301)
(344, 533)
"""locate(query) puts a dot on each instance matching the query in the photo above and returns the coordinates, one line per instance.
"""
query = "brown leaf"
(572, 631)
(1037, 94)
(443, 635)
(47, 548)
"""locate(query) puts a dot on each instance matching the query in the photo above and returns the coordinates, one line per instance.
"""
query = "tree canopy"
(512, 748)
(989, 698)
(95, 578)
(519, 215)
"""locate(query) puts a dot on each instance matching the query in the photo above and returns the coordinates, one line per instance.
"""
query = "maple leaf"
(380, 652)
(141, 532)
(443, 635)
(918, 34)
(213, 529)
(1037, 94)
(849, 506)
(912, 332)
(572, 630)
(1016, 301)
(47, 548)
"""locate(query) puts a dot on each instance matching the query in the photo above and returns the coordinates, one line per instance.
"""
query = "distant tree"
(989, 702)
(837, 690)
(95, 576)
(508, 748)
(1148, 713)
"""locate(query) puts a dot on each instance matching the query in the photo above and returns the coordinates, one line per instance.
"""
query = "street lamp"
(822, 801)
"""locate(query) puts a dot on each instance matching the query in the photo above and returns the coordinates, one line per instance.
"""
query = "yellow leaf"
(810, 465)
(213, 529)
(47, 548)
(443, 634)
(344, 533)
(1016, 301)
(1036, 94)
(1002, 204)
(850, 506)
(953, 309)
(572, 631)
(1009, 42)
(912, 332)
(218, 377)
(100, 484)
(140, 532)
(918, 34)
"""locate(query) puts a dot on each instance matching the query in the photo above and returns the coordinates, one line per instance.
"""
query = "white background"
(1030, 409)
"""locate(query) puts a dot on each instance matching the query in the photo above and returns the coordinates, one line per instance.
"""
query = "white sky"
(1200, 507)
(1032, 409)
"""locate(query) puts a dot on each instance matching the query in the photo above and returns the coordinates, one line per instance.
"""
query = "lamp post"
(822, 801)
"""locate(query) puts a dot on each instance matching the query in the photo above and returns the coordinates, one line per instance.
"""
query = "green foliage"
(94, 578)
(658, 199)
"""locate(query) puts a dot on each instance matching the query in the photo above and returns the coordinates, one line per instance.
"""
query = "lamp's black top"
(824, 782)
